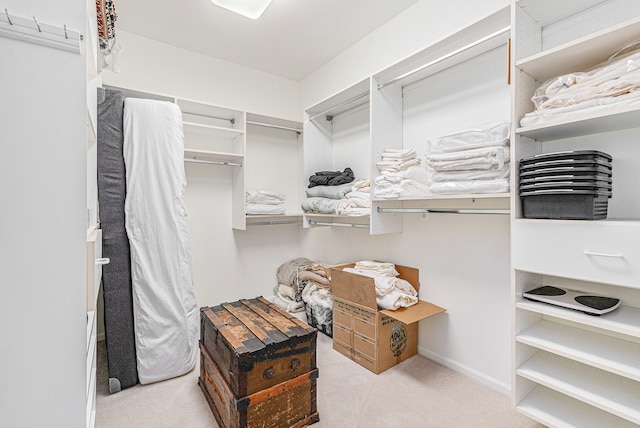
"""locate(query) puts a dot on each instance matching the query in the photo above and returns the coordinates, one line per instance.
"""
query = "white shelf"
(348, 99)
(557, 410)
(210, 130)
(611, 393)
(589, 123)
(580, 54)
(275, 219)
(598, 350)
(624, 320)
(206, 155)
(447, 197)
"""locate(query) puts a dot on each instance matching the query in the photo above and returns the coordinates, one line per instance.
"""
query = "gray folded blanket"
(331, 178)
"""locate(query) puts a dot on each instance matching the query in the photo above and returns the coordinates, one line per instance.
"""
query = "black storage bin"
(576, 205)
(568, 185)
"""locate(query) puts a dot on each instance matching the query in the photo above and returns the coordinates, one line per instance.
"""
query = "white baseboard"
(479, 377)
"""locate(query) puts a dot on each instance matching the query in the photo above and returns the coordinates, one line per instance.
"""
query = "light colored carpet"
(417, 393)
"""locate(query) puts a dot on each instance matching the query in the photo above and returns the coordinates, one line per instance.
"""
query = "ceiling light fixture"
(249, 8)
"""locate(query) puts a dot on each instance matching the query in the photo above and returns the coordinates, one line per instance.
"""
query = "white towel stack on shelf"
(358, 201)
(264, 202)
(401, 175)
(470, 161)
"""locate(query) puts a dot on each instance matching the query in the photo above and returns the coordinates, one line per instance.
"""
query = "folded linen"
(288, 291)
(287, 304)
(319, 205)
(391, 292)
(475, 174)
(485, 135)
(395, 300)
(331, 192)
(264, 197)
(331, 178)
(407, 153)
(254, 209)
(497, 185)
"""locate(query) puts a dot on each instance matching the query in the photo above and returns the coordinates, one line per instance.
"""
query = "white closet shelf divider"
(555, 409)
(580, 54)
(210, 130)
(586, 124)
(221, 158)
(611, 393)
(624, 320)
(598, 350)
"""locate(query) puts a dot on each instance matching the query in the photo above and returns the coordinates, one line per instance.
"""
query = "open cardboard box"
(376, 339)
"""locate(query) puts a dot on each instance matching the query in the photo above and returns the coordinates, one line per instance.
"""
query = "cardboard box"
(376, 339)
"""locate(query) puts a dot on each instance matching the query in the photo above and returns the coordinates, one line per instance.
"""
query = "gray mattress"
(116, 276)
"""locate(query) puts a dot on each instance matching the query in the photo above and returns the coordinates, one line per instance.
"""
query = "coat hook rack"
(23, 29)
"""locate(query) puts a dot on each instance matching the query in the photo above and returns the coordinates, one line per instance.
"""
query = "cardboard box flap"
(353, 288)
(417, 312)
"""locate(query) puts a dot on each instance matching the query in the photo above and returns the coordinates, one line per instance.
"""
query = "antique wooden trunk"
(258, 365)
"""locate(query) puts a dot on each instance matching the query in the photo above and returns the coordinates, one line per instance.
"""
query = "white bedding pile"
(264, 202)
(325, 199)
(470, 161)
(391, 292)
(166, 317)
(401, 175)
(358, 201)
(610, 86)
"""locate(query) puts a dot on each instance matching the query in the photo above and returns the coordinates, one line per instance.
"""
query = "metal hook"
(37, 24)
(6, 12)
(66, 36)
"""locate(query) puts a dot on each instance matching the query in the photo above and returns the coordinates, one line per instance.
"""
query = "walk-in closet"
(327, 213)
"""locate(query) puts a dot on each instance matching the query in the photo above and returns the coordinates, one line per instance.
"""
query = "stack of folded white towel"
(470, 161)
(401, 175)
(391, 292)
(358, 201)
(264, 202)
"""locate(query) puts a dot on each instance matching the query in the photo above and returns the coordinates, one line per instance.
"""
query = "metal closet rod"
(269, 125)
(232, 120)
(337, 106)
(212, 162)
(445, 57)
(269, 223)
(444, 210)
(320, 223)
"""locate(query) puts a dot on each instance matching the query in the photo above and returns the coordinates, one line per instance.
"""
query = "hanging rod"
(445, 57)
(32, 31)
(269, 125)
(443, 211)
(320, 223)
(269, 223)
(232, 120)
(350, 100)
(212, 162)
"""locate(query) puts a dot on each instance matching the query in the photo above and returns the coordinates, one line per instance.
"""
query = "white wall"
(148, 65)
(409, 32)
(43, 225)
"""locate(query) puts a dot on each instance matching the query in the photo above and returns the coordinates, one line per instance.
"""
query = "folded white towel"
(264, 197)
(258, 209)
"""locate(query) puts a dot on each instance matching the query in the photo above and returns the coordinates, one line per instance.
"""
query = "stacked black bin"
(571, 185)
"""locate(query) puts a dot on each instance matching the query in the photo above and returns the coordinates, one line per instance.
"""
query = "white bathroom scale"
(571, 299)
